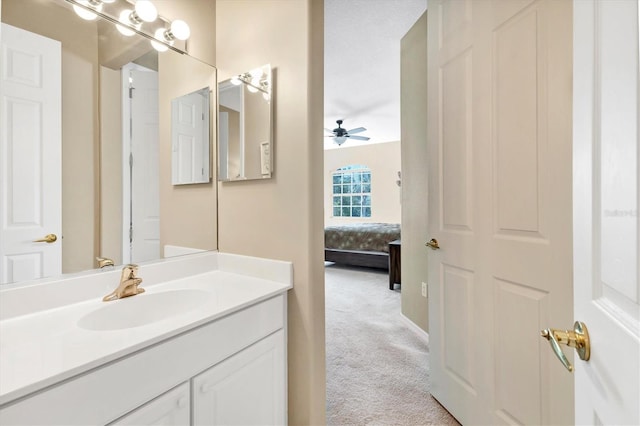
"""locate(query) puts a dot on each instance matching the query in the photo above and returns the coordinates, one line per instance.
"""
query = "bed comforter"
(361, 236)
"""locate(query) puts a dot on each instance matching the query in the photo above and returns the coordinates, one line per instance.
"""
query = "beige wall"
(187, 212)
(413, 107)
(282, 217)
(384, 161)
(111, 165)
(79, 121)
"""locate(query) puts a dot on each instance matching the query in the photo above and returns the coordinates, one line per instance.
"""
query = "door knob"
(577, 338)
(433, 244)
(49, 238)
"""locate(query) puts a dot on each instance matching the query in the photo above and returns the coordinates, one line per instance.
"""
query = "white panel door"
(30, 156)
(606, 194)
(499, 114)
(145, 167)
(190, 139)
(247, 389)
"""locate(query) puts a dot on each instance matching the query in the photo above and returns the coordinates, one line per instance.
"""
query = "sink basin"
(143, 309)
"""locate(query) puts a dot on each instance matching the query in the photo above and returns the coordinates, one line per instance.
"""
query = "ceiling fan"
(340, 134)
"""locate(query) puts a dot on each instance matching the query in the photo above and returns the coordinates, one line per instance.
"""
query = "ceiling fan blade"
(328, 130)
(356, 130)
(359, 138)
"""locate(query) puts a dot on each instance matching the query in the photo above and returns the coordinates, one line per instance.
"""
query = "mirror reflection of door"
(141, 166)
(30, 153)
(190, 138)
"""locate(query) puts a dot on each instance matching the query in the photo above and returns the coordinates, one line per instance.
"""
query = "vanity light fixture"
(139, 16)
(255, 80)
(237, 80)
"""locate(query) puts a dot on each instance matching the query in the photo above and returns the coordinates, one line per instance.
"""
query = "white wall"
(384, 161)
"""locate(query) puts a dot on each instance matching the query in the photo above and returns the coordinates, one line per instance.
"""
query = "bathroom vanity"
(204, 344)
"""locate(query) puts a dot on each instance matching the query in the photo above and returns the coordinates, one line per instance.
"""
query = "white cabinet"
(246, 389)
(170, 409)
(231, 370)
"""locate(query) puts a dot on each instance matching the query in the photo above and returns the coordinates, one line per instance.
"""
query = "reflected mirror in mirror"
(190, 138)
(85, 146)
(245, 142)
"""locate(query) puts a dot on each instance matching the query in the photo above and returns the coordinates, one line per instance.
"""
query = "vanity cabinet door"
(169, 409)
(245, 389)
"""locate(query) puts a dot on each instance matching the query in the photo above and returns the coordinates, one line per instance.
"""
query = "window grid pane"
(355, 181)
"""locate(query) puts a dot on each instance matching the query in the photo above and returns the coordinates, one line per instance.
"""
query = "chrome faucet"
(128, 284)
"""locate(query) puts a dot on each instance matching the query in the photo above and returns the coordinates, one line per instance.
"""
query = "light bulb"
(256, 73)
(124, 18)
(84, 13)
(251, 88)
(146, 10)
(160, 47)
(236, 81)
(180, 29)
(266, 96)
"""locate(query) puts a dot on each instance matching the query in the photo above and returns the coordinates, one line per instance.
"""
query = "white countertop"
(44, 347)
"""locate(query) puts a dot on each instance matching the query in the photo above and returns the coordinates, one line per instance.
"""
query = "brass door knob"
(433, 244)
(49, 238)
(577, 338)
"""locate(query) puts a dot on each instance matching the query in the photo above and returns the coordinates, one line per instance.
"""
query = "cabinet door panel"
(246, 389)
(169, 409)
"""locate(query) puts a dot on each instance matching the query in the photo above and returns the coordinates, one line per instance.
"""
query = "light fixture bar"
(164, 23)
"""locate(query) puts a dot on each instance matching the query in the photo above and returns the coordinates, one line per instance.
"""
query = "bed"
(360, 244)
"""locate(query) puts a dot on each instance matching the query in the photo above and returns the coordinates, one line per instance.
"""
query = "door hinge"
(130, 160)
(131, 234)
(131, 92)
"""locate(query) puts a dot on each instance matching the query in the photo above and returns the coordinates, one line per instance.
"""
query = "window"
(352, 191)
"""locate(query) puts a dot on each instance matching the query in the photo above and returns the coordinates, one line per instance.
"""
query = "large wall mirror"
(245, 141)
(86, 146)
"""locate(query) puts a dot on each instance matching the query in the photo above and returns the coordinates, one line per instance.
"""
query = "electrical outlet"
(424, 289)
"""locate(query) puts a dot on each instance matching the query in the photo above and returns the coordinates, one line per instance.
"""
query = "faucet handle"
(129, 270)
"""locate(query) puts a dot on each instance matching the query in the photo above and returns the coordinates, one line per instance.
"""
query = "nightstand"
(394, 263)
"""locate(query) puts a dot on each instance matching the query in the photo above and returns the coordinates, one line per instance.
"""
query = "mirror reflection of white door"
(499, 111)
(190, 138)
(143, 162)
(30, 156)
(606, 226)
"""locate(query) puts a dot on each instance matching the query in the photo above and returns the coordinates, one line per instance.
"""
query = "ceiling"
(362, 65)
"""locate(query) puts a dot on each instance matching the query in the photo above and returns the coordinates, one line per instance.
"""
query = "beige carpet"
(377, 368)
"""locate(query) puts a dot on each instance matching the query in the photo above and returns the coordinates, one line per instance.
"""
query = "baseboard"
(412, 325)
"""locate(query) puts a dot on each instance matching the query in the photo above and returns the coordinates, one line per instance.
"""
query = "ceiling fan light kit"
(340, 134)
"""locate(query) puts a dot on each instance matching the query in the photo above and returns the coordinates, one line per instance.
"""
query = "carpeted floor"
(377, 368)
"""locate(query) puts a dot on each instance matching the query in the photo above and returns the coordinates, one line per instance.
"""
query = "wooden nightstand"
(394, 263)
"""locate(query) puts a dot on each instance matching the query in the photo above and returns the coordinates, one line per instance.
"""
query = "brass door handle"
(577, 338)
(49, 238)
(433, 244)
